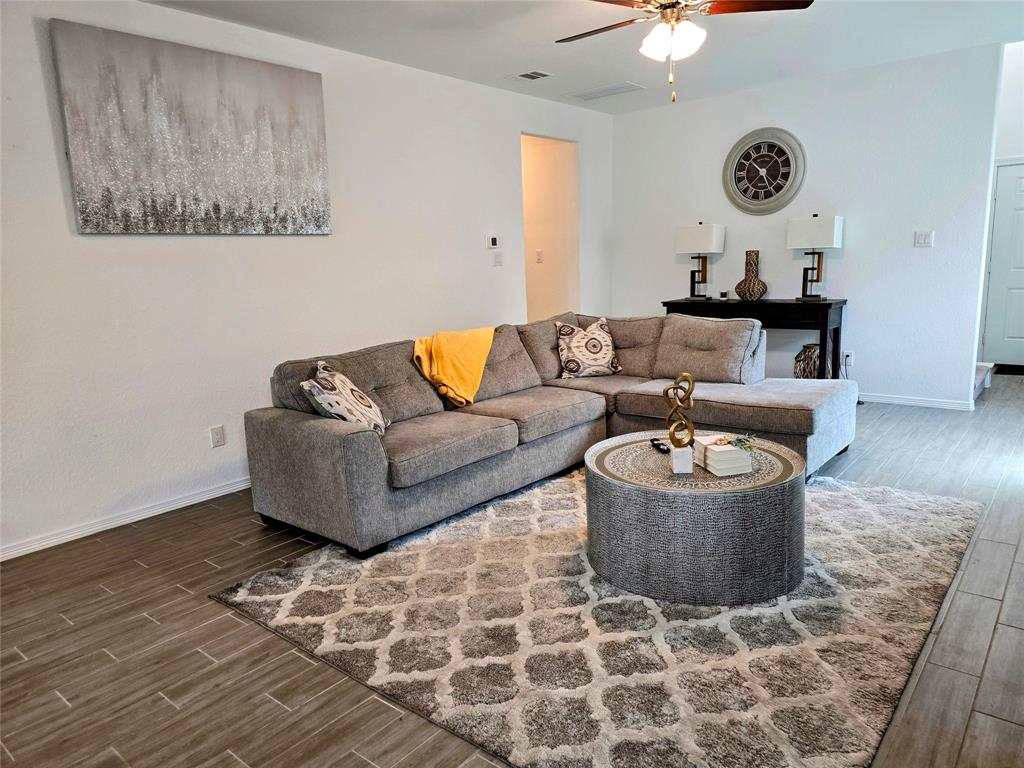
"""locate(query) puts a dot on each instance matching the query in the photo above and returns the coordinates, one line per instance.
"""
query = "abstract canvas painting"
(169, 139)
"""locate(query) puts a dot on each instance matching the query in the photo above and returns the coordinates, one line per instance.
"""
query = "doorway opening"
(551, 225)
(1003, 321)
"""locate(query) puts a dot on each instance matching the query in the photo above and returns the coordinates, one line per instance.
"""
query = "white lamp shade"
(700, 238)
(815, 233)
(657, 44)
(687, 39)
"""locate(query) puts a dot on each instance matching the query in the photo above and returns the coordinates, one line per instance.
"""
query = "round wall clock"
(764, 171)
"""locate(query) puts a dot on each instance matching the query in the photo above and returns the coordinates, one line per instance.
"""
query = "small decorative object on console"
(723, 456)
(700, 240)
(678, 396)
(752, 287)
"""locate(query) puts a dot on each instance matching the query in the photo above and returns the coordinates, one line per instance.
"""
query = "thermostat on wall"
(493, 241)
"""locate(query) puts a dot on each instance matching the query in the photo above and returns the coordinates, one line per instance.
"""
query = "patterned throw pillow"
(333, 395)
(586, 353)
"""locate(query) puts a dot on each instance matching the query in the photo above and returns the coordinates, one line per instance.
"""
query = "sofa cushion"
(712, 350)
(542, 411)
(385, 373)
(334, 396)
(509, 367)
(608, 386)
(636, 341)
(541, 341)
(589, 352)
(428, 446)
(786, 406)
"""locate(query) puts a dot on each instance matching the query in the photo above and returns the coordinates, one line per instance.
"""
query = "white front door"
(1004, 319)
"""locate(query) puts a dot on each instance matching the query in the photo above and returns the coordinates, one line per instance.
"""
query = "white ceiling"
(485, 41)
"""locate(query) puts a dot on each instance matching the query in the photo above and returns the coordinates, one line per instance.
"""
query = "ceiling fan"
(676, 37)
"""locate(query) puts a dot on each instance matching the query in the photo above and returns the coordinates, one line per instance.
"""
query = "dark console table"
(825, 317)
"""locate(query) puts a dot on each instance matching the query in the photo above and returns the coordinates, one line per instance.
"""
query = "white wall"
(895, 148)
(551, 190)
(119, 352)
(1010, 115)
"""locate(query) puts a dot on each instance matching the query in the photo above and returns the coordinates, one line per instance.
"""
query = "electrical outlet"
(924, 239)
(217, 437)
(540, 257)
(499, 259)
(848, 358)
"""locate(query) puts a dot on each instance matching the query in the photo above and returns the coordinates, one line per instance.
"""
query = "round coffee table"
(698, 538)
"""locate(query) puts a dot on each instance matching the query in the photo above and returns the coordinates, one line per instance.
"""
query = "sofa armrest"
(322, 475)
(752, 371)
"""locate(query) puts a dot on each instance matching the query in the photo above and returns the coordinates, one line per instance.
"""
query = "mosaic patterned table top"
(631, 459)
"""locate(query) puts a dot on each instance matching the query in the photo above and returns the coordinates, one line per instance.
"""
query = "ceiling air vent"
(606, 90)
(534, 74)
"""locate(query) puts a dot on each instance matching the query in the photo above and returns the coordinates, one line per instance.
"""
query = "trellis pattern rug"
(493, 625)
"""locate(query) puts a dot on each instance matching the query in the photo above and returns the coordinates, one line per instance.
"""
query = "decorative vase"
(805, 365)
(751, 287)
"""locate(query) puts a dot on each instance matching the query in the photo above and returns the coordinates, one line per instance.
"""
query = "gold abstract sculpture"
(678, 395)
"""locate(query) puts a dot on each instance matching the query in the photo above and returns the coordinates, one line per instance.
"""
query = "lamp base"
(811, 298)
(698, 298)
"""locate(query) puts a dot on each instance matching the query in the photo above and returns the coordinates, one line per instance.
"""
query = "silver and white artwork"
(169, 139)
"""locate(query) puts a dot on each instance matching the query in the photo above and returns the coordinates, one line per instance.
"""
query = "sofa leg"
(365, 553)
(843, 451)
(269, 520)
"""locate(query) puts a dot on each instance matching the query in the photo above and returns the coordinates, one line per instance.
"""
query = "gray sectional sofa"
(349, 484)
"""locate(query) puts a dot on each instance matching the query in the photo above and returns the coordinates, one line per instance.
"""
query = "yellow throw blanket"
(453, 361)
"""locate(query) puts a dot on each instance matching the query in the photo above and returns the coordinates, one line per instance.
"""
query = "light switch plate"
(924, 239)
(217, 437)
(540, 257)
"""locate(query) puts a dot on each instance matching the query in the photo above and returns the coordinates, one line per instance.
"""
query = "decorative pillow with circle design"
(588, 352)
(335, 396)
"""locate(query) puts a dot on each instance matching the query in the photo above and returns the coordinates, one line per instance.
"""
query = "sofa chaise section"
(815, 417)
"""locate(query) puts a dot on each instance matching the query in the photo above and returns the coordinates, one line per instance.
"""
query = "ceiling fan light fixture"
(663, 41)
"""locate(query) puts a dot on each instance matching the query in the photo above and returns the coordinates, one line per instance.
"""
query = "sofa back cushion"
(712, 350)
(385, 373)
(509, 366)
(540, 338)
(636, 341)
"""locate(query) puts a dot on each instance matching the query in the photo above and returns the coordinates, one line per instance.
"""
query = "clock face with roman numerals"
(764, 170)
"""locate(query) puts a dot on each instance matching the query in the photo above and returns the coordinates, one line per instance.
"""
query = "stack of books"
(720, 460)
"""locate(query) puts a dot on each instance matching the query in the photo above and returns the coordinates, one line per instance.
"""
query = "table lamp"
(700, 239)
(814, 234)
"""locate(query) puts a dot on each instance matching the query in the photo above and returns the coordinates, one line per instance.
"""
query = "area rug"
(493, 625)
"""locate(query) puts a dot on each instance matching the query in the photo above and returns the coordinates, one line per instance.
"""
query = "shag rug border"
(655, 753)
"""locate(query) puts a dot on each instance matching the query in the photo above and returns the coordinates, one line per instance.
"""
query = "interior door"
(1004, 319)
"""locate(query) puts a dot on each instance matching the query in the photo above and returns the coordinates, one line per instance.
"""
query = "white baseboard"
(924, 402)
(8, 551)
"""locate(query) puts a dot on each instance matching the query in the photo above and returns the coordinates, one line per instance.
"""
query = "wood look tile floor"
(112, 655)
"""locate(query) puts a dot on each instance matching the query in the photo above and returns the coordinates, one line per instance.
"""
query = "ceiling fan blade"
(609, 28)
(626, 3)
(717, 7)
